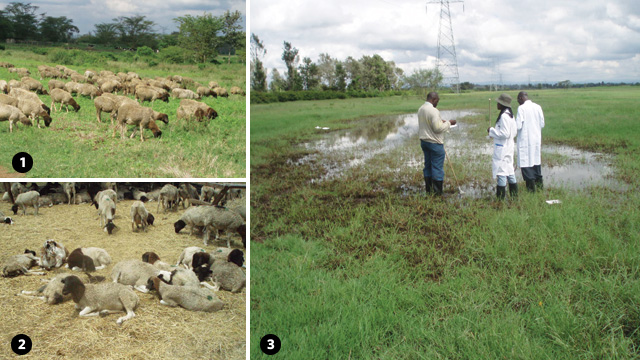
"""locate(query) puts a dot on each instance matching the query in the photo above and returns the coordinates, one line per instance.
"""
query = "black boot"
(437, 187)
(513, 190)
(531, 185)
(428, 184)
(539, 185)
(501, 191)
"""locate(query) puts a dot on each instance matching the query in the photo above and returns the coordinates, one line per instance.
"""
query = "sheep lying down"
(189, 297)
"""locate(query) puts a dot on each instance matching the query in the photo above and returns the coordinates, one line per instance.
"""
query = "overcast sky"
(87, 13)
(537, 40)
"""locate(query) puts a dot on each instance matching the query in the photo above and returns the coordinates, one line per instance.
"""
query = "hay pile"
(157, 331)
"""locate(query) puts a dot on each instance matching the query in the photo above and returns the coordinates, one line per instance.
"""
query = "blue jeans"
(433, 160)
(502, 180)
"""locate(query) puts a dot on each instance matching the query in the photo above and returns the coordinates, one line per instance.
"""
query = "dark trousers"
(532, 177)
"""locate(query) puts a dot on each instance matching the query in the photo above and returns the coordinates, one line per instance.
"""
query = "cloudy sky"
(528, 40)
(86, 13)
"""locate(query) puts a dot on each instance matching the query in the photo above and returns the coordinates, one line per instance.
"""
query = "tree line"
(368, 73)
(203, 37)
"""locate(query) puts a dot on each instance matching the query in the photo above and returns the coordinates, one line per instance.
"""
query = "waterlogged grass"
(354, 268)
(76, 145)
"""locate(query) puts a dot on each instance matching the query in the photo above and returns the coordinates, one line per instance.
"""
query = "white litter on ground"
(550, 202)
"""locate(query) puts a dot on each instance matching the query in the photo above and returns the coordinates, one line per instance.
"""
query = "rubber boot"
(531, 185)
(539, 184)
(428, 184)
(437, 187)
(501, 191)
(513, 190)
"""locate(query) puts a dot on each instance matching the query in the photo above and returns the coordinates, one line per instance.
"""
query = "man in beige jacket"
(431, 129)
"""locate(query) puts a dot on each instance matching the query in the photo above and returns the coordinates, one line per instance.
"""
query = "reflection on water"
(372, 137)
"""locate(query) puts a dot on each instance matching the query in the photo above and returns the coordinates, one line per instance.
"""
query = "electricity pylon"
(447, 62)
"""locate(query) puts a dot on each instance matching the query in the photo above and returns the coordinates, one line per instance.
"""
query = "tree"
(23, 20)
(258, 74)
(374, 74)
(106, 33)
(423, 80)
(341, 77)
(57, 29)
(353, 69)
(309, 78)
(135, 31)
(327, 71)
(277, 82)
(232, 33)
(200, 35)
(5, 26)
(291, 59)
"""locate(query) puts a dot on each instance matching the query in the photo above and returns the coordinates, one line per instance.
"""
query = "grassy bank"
(76, 145)
(352, 268)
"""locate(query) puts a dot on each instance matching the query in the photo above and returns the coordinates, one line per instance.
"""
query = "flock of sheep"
(20, 103)
(185, 284)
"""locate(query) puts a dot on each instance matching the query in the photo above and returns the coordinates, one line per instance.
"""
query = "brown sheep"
(55, 84)
(236, 91)
(8, 100)
(106, 104)
(33, 85)
(4, 87)
(6, 65)
(221, 92)
(194, 109)
(35, 111)
(64, 98)
(19, 93)
(89, 90)
(72, 87)
(12, 114)
(148, 93)
(205, 91)
(132, 114)
(184, 94)
(111, 86)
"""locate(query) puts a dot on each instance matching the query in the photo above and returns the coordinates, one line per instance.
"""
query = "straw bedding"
(156, 332)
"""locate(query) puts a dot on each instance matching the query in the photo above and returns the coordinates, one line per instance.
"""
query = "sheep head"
(14, 208)
(150, 219)
(178, 225)
(74, 286)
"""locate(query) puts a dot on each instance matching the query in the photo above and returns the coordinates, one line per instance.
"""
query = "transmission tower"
(447, 62)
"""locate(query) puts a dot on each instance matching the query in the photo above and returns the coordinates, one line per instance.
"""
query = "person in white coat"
(503, 134)
(530, 121)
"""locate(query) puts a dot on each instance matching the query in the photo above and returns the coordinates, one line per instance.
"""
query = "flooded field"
(389, 146)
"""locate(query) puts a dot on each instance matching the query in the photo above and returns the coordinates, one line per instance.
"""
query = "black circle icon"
(22, 162)
(21, 344)
(270, 344)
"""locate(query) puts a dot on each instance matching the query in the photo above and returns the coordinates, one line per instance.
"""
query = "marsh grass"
(355, 267)
(76, 145)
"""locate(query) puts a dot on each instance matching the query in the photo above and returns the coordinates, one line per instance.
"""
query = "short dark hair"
(432, 95)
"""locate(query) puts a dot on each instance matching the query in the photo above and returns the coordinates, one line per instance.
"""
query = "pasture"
(363, 265)
(76, 145)
(156, 332)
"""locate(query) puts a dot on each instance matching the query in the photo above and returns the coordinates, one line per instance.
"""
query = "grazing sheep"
(79, 78)
(30, 198)
(33, 85)
(151, 94)
(110, 193)
(12, 114)
(184, 94)
(70, 189)
(17, 189)
(204, 91)
(111, 86)
(8, 100)
(236, 91)
(20, 264)
(19, 94)
(88, 259)
(101, 299)
(72, 87)
(55, 84)
(52, 254)
(168, 197)
(213, 84)
(88, 90)
(51, 293)
(6, 65)
(107, 210)
(135, 273)
(228, 276)
(106, 104)
(130, 114)
(221, 92)
(64, 98)
(4, 87)
(20, 71)
(193, 109)
(34, 111)
(140, 216)
(189, 297)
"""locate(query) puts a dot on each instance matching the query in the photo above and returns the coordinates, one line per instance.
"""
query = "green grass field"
(342, 269)
(76, 145)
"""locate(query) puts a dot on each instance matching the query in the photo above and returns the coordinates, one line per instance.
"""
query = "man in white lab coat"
(530, 122)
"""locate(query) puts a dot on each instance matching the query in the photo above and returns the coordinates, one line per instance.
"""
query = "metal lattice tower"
(447, 62)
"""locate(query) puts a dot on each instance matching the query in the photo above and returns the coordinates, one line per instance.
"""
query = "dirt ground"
(156, 332)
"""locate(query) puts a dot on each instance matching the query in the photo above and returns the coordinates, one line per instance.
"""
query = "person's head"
(503, 101)
(522, 97)
(433, 98)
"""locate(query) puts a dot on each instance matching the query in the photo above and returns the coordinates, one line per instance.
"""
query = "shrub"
(145, 51)
(40, 51)
(1, 47)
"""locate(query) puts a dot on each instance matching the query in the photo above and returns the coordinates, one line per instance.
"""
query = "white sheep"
(140, 216)
(34, 111)
(52, 254)
(178, 275)
(207, 193)
(107, 210)
(212, 218)
(20, 264)
(189, 297)
(29, 198)
(5, 219)
(228, 276)
(186, 257)
(184, 94)
(168, 197)
(101, 299)
(70, 190)
(51, 293)
(88, 259)
(135, 273)
(143, 117)
(64, 98)
(13, 115)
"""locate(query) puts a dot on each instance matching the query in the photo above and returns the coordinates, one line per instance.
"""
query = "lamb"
(135, 273)
(236, 91)
(5, 219)
(188, 297)
(149, 93)
(168, 197)
(51, 293)
(130, 114)
(30, 198)
(88, 259)
(12, 114)
(52, 254)
(20, 264)
(184, 94)
(107, 210)
(70, 189)
(212, 217)
(101, 299)
(178, 276)
(140, 216)
(64, 98)
(228, 276)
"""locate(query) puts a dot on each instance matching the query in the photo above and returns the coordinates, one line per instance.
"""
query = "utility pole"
(447, 62)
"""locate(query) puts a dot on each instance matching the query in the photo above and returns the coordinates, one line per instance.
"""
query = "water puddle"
(374, 138)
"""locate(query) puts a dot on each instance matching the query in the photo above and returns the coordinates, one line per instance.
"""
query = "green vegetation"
(76, 145)
(355, 268)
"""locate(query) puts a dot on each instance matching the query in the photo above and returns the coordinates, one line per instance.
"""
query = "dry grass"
(157, 331)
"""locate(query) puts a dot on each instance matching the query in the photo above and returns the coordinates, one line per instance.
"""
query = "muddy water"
(373, 137)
